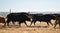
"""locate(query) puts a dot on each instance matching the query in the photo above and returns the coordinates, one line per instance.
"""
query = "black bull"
(21, 18)
(46, 18)
(2, 20)
(57, 20)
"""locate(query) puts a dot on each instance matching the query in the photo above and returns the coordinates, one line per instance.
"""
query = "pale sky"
(30, 5)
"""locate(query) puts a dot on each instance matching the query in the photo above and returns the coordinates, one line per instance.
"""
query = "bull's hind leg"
(59, 25)
(34, 23)
(25, 23)
(8, 24)
(51, 23)
(48, 23)
(55, 24)
(31, 23)
(13, 22)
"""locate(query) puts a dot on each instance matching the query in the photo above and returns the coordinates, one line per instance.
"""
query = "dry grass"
(38, 28)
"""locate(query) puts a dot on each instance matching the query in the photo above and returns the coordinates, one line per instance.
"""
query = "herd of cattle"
(23, 17)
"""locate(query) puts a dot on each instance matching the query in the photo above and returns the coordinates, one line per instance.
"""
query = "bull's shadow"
(57, 28)
(38, 26)
(2, 27)
(17, 26)
(13, 26)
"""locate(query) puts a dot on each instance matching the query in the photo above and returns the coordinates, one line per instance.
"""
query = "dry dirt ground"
(38, 28)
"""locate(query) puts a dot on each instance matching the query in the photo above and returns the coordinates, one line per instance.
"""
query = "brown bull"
(2, 20)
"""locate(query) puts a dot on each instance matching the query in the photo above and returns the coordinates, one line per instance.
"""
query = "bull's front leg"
(8, 21)
(19, 24)
(48, 23)
(31, 23)
(5, 24)
(51, 23)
